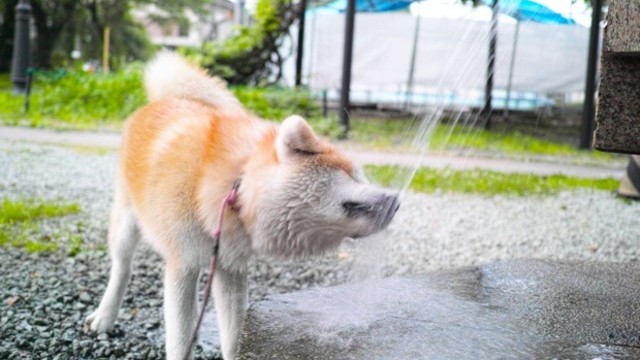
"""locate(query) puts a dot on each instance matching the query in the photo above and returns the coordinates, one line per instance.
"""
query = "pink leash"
(229, 200)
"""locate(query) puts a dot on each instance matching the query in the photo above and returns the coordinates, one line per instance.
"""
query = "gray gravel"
(44, 298)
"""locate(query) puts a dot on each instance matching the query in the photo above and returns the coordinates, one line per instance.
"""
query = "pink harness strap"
(230, 200)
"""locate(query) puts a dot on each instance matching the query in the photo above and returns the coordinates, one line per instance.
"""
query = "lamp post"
(21, 48)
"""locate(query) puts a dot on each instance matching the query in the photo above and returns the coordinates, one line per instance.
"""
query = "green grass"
(399, 133)
(76, 100)
(15, 211)
(514, 142)
(96, 101)
(485, 182)
(19, 225)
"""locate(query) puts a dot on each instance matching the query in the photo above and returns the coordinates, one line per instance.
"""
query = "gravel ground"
(44, 298)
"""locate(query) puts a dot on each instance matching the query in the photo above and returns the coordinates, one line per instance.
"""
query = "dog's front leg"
(230, 295)
(180, 286)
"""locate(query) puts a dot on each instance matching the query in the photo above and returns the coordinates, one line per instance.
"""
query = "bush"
(275, 103)
(252, 54)
(76, 99)
(81, 100)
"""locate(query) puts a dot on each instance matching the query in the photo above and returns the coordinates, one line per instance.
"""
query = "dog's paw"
(99, 322)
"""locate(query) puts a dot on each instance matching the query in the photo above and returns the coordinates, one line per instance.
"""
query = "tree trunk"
(6, 35)
(48, 31)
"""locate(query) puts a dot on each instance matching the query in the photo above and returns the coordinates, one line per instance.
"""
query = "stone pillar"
(618, 111)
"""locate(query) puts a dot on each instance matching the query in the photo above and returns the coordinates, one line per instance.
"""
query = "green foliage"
(90, 101)
(61, 26)
(77, 100)
(252, 55)
(75, 245)
(486, 182)
(7, 24)
(19, 211)
(81, 100)
(19, 227)
(461, 137)
(399, 133)
(32, 246)
(128, 38)
(276, 103)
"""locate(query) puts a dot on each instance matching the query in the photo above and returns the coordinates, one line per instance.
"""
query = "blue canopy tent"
(531, 10)
(340, 6)
(525, 10)
(350, 7)
(521, 10)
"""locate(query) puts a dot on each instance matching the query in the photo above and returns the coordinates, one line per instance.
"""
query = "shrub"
(81, 100)
(276, 103)
(77, 99)
(252, 55)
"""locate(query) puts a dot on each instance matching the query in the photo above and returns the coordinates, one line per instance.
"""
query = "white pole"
(412, 64)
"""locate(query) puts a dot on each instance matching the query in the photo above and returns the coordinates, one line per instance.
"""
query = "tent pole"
(412, 64)
(300, 49)
(491, 64)
(588, 113)
(346, 66)
(511, 65)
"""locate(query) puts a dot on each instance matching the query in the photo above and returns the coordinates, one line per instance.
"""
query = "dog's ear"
(296, 138)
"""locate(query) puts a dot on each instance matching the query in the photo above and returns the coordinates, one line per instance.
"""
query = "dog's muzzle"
(386, 208)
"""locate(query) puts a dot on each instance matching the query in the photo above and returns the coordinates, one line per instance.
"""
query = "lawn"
(20, 225)
(97, 101)
(505, 141)
(485, 182)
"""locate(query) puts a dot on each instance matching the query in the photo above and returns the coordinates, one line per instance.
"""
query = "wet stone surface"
(526, 309)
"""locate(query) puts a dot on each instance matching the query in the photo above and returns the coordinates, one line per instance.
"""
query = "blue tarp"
(339, 6)
(526, 10)
(530, 10)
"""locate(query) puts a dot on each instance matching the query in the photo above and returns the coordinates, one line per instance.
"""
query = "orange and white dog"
(180, 155)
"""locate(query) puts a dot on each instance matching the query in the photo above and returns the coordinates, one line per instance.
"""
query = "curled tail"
(170, 75)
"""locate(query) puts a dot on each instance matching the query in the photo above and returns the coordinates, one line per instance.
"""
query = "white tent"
(450, 59)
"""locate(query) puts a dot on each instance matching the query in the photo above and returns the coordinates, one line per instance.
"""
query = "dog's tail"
(170, 75)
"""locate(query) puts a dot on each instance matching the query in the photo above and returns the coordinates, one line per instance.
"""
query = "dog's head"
(305, 197)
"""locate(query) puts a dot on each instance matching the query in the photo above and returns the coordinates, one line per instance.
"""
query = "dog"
(297, 196)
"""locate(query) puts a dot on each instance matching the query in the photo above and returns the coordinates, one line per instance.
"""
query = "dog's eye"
(353, 209)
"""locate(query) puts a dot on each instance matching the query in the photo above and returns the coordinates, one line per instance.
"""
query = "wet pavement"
(523, 309)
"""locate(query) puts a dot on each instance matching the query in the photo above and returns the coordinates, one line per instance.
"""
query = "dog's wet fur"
(180, 156)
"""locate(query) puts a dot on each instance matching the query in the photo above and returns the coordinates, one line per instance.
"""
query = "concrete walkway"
(523, 309)
(112, 140)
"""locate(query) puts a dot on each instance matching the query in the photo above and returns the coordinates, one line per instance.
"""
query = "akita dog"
(181, 154)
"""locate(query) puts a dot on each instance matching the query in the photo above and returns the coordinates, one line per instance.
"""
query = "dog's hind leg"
(180, 290)
(230, 296)
(123, 238)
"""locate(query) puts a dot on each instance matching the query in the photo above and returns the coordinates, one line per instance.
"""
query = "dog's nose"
(388, 205)
(394, 205)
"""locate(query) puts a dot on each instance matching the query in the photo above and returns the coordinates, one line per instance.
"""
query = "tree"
(50, 18)
(61, 25)
(7, 23)
(253, 55)
(128, 38)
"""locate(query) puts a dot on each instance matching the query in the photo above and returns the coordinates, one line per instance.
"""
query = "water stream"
(369, 261)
